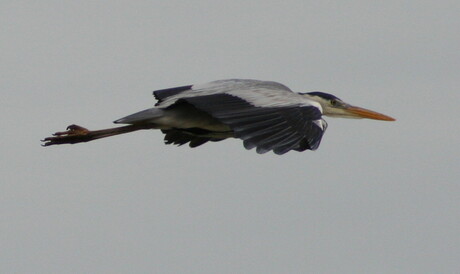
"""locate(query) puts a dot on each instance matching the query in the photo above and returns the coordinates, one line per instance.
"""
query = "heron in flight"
(266, 115)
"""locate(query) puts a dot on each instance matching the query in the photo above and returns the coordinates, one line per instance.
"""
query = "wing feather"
(162, 94)
(280, 129)
(258, 93)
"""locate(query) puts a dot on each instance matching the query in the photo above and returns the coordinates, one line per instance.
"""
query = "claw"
(74, 127)
(73, 134)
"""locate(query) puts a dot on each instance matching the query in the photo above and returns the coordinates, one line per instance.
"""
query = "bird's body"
(266, 115)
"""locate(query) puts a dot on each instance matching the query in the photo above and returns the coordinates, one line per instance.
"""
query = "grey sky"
(376, 197)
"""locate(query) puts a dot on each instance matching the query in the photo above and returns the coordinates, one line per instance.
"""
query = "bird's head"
(335, 107)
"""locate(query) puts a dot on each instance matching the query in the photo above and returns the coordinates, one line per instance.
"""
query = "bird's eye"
(334, 102)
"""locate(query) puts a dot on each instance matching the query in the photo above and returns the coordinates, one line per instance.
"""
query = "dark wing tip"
(162, 94)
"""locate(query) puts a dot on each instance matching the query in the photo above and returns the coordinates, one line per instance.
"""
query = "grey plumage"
(266, 115)
(146, 116)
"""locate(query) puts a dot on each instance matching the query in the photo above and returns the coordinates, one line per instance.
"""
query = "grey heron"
(266, 115)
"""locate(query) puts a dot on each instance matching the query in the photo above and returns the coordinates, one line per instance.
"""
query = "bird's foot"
(73, 134)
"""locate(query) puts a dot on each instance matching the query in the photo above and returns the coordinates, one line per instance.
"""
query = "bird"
(266, 115)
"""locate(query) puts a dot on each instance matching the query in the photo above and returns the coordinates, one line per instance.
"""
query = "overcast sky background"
(377, 197)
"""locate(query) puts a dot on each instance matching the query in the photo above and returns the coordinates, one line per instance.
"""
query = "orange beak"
(369, 114)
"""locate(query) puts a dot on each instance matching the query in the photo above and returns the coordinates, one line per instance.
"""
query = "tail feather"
(141, 116)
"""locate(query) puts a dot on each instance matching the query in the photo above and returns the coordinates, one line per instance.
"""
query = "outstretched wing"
(278, 128)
